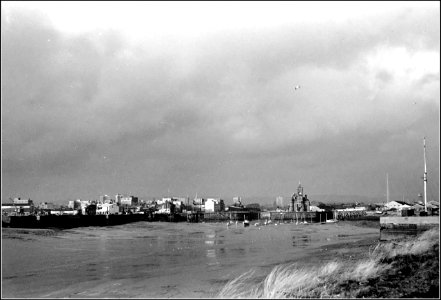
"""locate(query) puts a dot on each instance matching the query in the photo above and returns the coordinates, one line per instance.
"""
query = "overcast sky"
(157, 99)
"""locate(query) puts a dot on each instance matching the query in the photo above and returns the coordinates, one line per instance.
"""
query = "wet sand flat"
(166, 260)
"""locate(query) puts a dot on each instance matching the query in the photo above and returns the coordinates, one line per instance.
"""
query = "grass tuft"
(339, 279)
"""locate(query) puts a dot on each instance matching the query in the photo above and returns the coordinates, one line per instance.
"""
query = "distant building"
(180, 199)
(118, 198)
(347, 209)
(279, 201)
(431, 206)
(11, 208)
(221, 205)
(46, 205)
(163, 201)
(178, 202)
(23, 201)
(253, 207)
(81, 204)
(18, 206)
(63, 212)
(104, 199)
(237, 200)
(212, 205)
(170, 205)
(165, 206)
(237, 205)
(199, 204)
(299, 201)
(315, 208)
(107, 209)
(398, 205)
(130, 200)
(76, 204)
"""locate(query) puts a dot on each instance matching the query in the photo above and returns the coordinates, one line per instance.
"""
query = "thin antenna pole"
(425, 177)
(387, 188)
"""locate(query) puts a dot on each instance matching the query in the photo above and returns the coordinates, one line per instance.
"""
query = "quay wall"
(72, 221)
(349, 214)
(396, 227)
(429, 220)
(223, 216)
(308, 216)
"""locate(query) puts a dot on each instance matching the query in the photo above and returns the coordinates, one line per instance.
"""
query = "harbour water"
(158, 259)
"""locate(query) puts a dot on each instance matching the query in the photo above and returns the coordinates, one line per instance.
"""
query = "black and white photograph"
(220, 149)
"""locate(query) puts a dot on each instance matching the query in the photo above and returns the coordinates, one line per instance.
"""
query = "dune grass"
(389, 265)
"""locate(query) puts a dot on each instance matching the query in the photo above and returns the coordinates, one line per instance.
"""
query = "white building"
(43, 205)
(107, 209)
(163, 205)
(130, 200)
(163, 209)
(398, 205)
(63, 212)
(22, 201)
(361, 208)
(163, 201)
(212, 205)
(315, 208)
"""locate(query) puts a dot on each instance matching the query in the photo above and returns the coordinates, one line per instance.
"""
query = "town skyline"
(219, 99)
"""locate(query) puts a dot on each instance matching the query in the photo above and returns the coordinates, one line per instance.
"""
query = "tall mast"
(387, 188)
(425, 177)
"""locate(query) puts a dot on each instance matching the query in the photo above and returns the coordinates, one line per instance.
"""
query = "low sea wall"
(415, 220)
(350, 214)
(223, 216)
(302, 216)
(396, 227)
(306, 216)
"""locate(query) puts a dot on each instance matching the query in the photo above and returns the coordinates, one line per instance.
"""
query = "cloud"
(214, 100)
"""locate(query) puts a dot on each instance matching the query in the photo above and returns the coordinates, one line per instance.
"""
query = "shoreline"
(222, 251)
(368, 268)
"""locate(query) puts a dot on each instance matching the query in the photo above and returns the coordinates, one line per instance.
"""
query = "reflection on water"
(301, 241)
(210, 238)
(211, 255)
